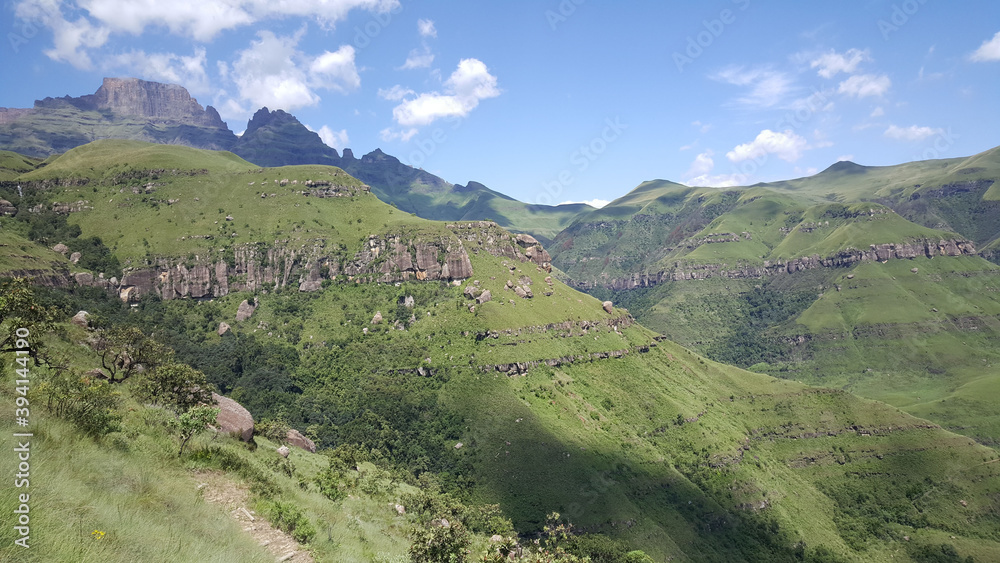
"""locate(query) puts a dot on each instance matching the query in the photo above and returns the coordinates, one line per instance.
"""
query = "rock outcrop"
(153, 100)
(845, 258)
(80, 319)
(245, 311)
(233, 418)
(295, 438)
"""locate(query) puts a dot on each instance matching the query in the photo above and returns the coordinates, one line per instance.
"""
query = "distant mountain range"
(139, 110)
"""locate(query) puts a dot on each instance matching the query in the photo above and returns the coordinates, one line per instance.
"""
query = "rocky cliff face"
(277, 138)
(122, 108)
(166, 103)
(382, 258)
(845, 258)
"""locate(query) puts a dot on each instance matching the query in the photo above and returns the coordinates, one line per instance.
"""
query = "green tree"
(176, 386)
(21, 314)
(123, 348)
(193, 421)
(92, 405)
(440, 541)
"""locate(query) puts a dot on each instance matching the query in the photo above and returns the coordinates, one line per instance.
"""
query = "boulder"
(223, 328)
(472, 291)
(519, 291)
(75, 257)
(525, 241)
(233, 418)
(61, 248)
(80, 319)
(484, 297)
(608, 306)
(408, 302)
(377, 318)
(295, 438)
(7, 208)
(244, 311)
(283, 451)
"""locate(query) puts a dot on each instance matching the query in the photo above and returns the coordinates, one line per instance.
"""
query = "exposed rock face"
(277, 138)
(845, 258)
(534, 251)
(80, 319)
(296, 439)
(244, 311)
(257, 266)
(128, 108)
(233, 418)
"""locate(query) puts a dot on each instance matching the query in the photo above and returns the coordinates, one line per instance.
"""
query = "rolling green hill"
(374, 334)
(770, 277)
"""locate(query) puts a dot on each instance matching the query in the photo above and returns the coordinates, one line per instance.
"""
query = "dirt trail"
(217, 488)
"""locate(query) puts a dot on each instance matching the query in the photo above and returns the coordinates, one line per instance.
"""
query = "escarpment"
(382, 258)
(682, 271)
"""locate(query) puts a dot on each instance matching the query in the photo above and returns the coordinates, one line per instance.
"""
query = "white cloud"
(877, 112)
(272, 72)
(832, 63)
(395, 93)
(465, 88)
(71, 39)
(335, 70)
(820, 140)
(202, 20)
(597, 202)
(700, 173)
(786, 145)
(418, 58)
(426, 28)
(988, 51)
(767, 87)
(911, 133)
(404, 135)
(845, 157)
(703, 164)
(165, 67)
(864, 85)
(333, 139)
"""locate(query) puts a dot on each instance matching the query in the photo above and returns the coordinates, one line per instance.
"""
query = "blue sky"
(555, 100)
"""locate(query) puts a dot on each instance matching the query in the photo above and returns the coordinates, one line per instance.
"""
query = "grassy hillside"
(59, 127)
(541, 404)
(894, 337)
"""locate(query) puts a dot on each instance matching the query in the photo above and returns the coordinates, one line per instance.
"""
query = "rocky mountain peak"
(264, 117)
(152, 100)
